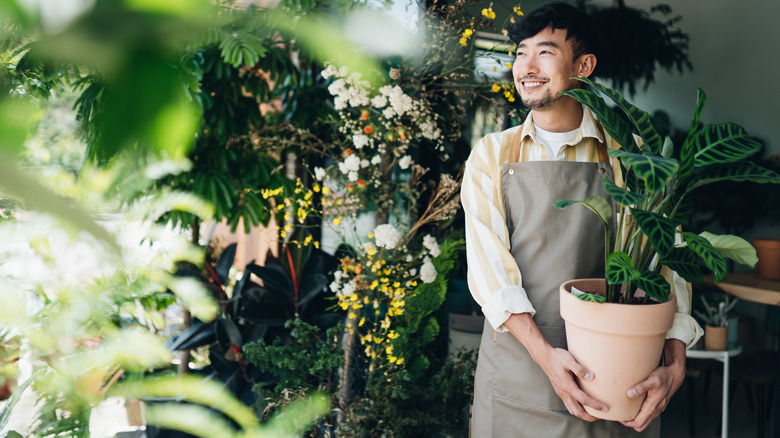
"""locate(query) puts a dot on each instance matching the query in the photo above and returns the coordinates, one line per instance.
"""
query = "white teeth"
(532, 84)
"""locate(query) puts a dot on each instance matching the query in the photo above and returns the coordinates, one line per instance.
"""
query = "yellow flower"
(468, 32)
(351, 315)
(517, 10)
(488, 12)
(316, 188)
(511, 98)
(509, 66)
(307, 240)
(282, 234)
(392, 335)
(344, 305)
(362, 321)
(465, 38)
(392, 359)
(496, 88)
(337, 221)
(464, 42)
(400, 361)
(370, 235)
(317, 244)
(325, 190)
(374, 284)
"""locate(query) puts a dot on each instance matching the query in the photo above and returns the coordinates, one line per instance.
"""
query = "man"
(520, 248)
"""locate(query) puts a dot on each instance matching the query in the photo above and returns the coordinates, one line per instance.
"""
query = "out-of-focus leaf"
(195, 297)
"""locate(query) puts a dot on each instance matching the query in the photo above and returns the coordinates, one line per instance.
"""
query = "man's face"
(542, 69)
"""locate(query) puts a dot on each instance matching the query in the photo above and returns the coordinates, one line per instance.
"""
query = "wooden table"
(748, 286)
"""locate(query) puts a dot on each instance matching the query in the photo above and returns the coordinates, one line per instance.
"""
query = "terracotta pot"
(768, 252)
(716, 338)
(621, 344)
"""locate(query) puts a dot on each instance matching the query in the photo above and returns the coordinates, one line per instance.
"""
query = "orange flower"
(349, 186)
(364, 116)
(368, 129)
(361, 182)
(403, 136)
(348, 152)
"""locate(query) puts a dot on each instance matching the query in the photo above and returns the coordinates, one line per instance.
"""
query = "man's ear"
(586, 64)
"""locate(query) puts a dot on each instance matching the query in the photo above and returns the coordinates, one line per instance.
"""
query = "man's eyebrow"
(541, 43)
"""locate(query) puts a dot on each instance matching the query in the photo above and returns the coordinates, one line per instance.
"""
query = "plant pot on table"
(768, 252)
(621, 344)
(716, 338)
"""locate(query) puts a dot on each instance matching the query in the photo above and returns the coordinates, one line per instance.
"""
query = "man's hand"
(559, 365)
(659, 386)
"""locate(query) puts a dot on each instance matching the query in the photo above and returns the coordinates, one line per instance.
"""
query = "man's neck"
(564, 117)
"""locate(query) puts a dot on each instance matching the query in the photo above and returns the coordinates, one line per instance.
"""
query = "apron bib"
(513, 397)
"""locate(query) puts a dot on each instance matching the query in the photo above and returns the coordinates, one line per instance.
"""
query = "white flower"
(343, 71)
(428, 272)
(339, 102)
(329, 71)
(400, 102)
(357, 97)
(352, 176)
(386, 90)
(433, 247)
(337, 87)
(319, 173)
(352, 162)
(412, 272)
(379, 101)
(409, 258)
(405, 162)
(394, 73)
(360, 140)
(334, 287)
(388, 113)
(386, 236)
(376, 159)
(349, 288)
(429, 130)
(364, 163)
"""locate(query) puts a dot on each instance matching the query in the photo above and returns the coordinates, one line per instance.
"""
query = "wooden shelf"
(747, 285)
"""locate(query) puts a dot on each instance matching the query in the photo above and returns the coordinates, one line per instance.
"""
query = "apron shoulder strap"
(602, 147)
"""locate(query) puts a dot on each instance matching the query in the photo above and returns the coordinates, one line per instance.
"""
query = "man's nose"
(528, 66)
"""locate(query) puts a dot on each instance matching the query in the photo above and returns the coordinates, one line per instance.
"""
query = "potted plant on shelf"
(716, 336)
(651, 201)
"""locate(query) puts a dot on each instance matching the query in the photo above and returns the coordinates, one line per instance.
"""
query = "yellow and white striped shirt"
(494, 278)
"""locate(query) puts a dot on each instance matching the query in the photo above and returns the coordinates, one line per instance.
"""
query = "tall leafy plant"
(656, 196)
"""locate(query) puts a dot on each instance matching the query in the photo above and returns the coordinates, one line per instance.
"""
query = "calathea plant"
(655, 197)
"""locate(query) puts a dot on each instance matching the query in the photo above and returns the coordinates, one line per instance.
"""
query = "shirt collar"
(588, 127)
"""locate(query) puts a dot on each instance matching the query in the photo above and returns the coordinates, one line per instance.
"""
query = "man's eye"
(544, 52)
(519, 53)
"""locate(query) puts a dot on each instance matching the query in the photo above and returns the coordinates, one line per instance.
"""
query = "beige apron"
(512, 395)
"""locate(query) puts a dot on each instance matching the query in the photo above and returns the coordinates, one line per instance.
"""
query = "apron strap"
(514, 153)
(602, 147)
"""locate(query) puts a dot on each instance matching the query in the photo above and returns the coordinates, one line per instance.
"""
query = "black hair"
(579, 26)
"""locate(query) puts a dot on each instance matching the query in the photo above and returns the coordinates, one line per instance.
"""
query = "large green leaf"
(733, 247)
(639, 118)
(723, 143)
(658, 229)
(615, 126)
(590, 297)
(655, 171)
(683, 262)
(597, 204)
(742, 172)
(619, 268)
(679, 208)
(621, 195)
(712, 257)
(654, 285)
(687, 158)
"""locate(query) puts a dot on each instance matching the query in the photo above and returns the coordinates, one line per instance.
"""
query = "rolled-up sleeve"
(493, 276)
(684, 328)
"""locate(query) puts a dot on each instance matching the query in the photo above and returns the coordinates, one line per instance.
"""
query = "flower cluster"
(488, 12)
(380, 125)
(374, 284)
(295, 208)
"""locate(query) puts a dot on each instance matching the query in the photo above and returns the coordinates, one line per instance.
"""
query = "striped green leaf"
(687, 159)
(733, 247)
(712, 258)
(640, 119)
(680, 208)
(655, 171)
(683, 261)
(723, 143)
(658, 229)
(619, 268)
(590, 297)
(742, 172)
(654, 285)
(596, 204)
(621, 195)
(616, 127)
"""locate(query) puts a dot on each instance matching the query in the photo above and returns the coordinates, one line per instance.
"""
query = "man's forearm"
(524, 329)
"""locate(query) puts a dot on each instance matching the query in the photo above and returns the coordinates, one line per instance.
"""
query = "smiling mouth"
(532, 83)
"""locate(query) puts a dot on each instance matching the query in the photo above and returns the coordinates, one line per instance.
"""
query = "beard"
(542, 103)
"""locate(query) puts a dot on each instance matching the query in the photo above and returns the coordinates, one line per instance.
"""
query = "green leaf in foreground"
(596, 204)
